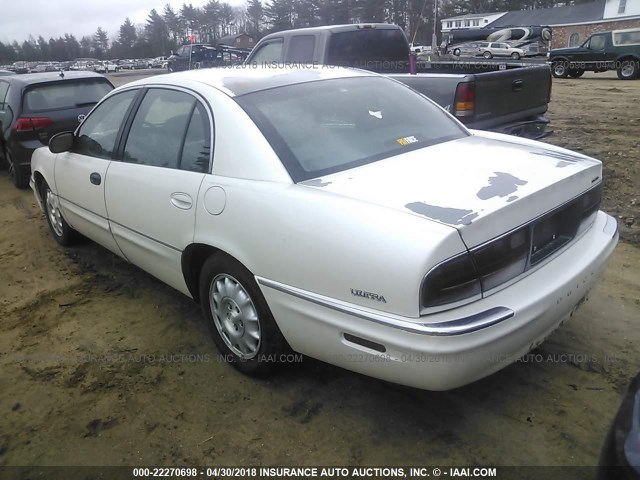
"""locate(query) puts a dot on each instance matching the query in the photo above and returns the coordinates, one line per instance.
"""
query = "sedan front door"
(151, 192)
(80, 173)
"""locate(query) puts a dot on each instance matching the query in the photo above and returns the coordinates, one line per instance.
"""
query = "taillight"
(465, 100)
(450, 282)
(477, 272)
(24, 124)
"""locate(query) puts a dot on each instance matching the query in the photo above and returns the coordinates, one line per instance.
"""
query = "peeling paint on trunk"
(450, 216)
(500, 185)
(316, 182)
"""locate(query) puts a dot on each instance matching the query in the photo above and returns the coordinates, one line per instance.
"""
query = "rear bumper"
(424, 352)
(533, 129)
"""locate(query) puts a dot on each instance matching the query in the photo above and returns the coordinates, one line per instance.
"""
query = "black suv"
(34, 107)
(618, 50)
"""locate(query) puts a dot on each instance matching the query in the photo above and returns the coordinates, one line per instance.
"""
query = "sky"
(54, 18)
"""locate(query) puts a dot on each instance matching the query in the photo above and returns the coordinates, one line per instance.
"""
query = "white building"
(621, 8)
(470, 20)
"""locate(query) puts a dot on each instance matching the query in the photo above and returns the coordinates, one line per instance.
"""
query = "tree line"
(166, 30)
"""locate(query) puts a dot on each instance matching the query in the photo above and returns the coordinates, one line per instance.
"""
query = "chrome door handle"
(181, 201)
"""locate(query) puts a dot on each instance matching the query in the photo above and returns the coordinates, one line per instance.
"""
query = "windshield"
(322, 127)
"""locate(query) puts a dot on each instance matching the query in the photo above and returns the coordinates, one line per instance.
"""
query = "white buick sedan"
(336, 213)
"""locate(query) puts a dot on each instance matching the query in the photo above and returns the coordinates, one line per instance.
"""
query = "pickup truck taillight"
(465, 100)
(28, 124)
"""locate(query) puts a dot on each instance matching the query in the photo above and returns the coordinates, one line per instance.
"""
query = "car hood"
(483, 185)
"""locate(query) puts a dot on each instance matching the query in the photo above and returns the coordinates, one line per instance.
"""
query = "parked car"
(159, 62)
(470, 49)
(620, 457)
(392, 240)
(20, 67)
(6, 72)
(126, 64)
(35, 106)
(499, 49)
(617, 50)
(106, 67)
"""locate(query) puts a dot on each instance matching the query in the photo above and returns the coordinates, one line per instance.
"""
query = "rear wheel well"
(40, 181)
(193, 258)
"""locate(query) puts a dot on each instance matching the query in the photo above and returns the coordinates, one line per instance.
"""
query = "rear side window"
(301, 48)
(65, 95)
(97, 134)
(197, 144)
(626, 38)
(4, 88)
(367, 45)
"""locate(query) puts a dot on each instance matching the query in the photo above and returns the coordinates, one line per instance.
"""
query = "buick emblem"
(81, 117)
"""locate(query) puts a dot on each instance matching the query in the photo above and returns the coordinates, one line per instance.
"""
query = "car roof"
(242, 80)
(46, 77)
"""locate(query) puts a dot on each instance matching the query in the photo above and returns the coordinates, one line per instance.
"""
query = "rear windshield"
(327, 126)
(363, 46)
(65, 95)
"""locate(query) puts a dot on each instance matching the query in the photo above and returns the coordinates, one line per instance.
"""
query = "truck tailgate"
(501, 94)
(505, 100)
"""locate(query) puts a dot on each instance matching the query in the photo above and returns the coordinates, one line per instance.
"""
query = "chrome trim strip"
(611, 227)
(458, 326)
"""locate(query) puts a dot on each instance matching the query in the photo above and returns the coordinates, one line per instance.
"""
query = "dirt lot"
(100, 364)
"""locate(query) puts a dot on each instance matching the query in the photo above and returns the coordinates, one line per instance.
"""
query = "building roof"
(231, 39)
(473, 15)
(581, 13)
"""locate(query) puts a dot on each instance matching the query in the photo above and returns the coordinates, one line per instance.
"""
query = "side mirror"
(61, 142)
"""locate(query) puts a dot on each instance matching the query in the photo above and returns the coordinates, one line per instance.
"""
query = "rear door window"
(301, 48)
(65, 95)
(158, 129)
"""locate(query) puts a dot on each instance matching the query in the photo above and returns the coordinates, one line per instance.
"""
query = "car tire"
(628, 70)
(456, 52)
(487, 55)
(576, 73)
(559, 69)
(60, 229)
(18, 176)
(238, 317)
(515, 56)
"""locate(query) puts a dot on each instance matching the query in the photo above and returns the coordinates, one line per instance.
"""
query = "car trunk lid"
(482, 186)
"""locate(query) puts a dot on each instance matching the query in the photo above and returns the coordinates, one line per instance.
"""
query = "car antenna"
(61, 73)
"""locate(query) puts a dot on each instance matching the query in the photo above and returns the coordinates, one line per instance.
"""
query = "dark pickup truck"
(201, 55)
(617, 50)
(498, 96)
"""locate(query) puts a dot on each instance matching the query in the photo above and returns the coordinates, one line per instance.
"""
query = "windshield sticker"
(407, 140)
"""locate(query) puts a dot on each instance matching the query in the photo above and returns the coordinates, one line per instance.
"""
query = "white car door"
(80, 173)
(151, 192)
